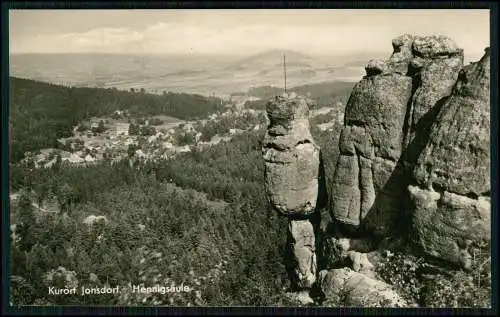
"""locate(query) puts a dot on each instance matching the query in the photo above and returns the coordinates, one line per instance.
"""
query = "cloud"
(111, 40)
(259, 37)
(198, 36)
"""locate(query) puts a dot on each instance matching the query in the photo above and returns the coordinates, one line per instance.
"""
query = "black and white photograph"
(249, 158)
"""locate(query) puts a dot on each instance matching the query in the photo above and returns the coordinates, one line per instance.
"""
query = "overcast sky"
(239, 32)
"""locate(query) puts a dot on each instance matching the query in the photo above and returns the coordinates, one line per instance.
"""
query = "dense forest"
(40, 113)
(201, 219)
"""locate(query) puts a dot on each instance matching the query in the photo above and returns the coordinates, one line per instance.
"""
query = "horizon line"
(198, 53)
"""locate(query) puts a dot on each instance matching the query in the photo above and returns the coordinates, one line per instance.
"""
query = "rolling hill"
(274, 58)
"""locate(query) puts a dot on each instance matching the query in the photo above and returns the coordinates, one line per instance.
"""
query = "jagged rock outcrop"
(383, 117)
(293, 178)
(401, 54)
(357, 290)
(451, 180)
(435, 69)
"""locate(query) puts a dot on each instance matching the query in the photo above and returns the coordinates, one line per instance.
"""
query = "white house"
(184, 149)
(152, 138)
(121, 128)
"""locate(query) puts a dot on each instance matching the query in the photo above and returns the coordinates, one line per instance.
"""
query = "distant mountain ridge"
(274, 59)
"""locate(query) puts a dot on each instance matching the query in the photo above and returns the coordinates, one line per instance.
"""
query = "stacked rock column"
(292, 168)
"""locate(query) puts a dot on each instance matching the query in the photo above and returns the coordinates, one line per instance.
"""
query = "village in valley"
(149, 138)
(139, 139)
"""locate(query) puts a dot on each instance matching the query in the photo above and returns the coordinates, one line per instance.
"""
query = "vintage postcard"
(249, 158)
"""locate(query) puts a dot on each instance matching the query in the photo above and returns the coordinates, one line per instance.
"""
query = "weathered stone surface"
(299, 298)
(456, 157)
(434, 46)
(374, 120)
(379, 104)
(301, 256)
(292, 159)
(437, 79)
(448, 226)
(354, 289)
(359, 261)
(375, 67)
(402, 54)
(387, 121)
(450, 203)
(437, 64)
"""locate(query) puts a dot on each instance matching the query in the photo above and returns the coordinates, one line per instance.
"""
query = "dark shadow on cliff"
(392, 202)
(320, 220)
(421, 134)
(392, 205)
(321, 216)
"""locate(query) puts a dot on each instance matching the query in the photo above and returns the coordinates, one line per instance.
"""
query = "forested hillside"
(40, 113)
(201, 219)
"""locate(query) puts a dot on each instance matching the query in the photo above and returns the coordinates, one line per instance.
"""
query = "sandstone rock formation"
(301, 253)
(292, 179)
(291, 157)
(435, 70)
(451, 180)
(388, 112)
(414, 164)
(357, 290)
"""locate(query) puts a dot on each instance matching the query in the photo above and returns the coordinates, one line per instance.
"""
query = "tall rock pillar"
(292, 179)
(366, 186)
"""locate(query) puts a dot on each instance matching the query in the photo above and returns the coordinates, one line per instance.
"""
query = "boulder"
(345, 287)
(448, 226)
(359, 261)
(375, 67)
(338, 251)
(292, 158)
(435, 46)
(401, 55)
(450, 187)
